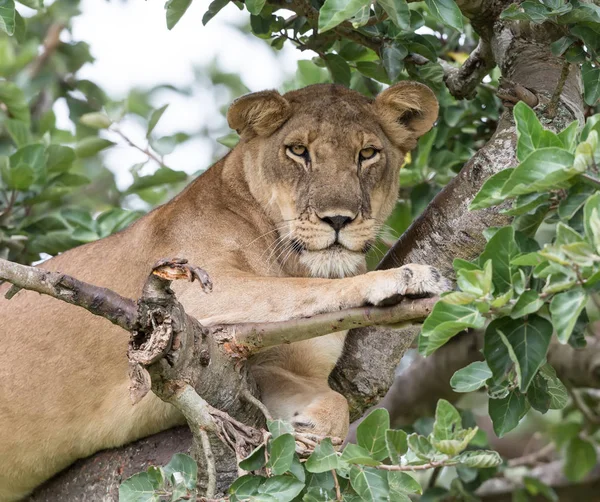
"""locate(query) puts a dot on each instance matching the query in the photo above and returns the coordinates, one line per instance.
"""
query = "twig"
(532, 458)
(338, 493)
(564, 74)
(211, 468)
(590, 417)
(247, 395)
(99, 301)
(50, 44)
(590, 180)
(145, 151)
(413, 468)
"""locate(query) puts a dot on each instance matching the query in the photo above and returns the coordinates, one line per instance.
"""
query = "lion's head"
(323, 162)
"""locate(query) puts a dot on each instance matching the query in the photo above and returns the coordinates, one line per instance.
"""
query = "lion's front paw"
(326, 415)
(410, 280)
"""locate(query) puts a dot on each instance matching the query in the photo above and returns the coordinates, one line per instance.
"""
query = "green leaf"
(564, 311)
(480, 459)
(530, 132)
(213, 9)
(538, 395)
(255, 461)
(96, 120)
(536, 487)
(507, 412)
(324, 458)
(501, 249)
(529, 339)
(547, 391)
(559, 47)
(471, 378)
(580, 459)
(591, 203)
(17, 178)
(543, 169)
(400, 482)
(339, 69)
(393, 59)
(370, 434)
(421, 447)
(447, 421)
(398, 12)
(396, 443)
(369, 484)
(60, 158)
(281, 488)
(175, 9)
(7, 16)
(255, 6)
(476, 282)
(446, 321)
(244, 487)
(186, 467)
(446, 12)
(162, 176)
(333, 12)
(566, 235)
(528, 303)
(297, 469)
(19, 132)
(559, 397)
(490, 192)
(354, 454)
(154, 118)
(281, 453)
(13, 97)
(568, 136)
(91, 145)
(279, 427)
(32, 155)
(138, 488)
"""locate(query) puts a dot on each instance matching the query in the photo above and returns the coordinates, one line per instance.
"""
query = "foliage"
(537, 277)
(376, 468)
(174, 481)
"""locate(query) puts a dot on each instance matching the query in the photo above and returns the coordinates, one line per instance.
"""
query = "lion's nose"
(337, 222)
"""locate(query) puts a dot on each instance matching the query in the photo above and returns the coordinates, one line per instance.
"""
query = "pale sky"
(133, 47)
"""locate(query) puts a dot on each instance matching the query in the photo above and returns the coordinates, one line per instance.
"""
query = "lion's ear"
(407, 110)
(259, 113)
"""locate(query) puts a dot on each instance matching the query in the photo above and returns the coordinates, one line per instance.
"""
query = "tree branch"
(99, 301)
(242, 339)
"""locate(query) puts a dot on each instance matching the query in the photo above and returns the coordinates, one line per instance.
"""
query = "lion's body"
(63, 372)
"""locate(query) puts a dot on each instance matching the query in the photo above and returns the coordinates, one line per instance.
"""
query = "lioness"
(281, 224)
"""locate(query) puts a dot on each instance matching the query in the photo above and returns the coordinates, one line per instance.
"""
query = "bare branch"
(50, 44)
(99, 301)
(250, 337)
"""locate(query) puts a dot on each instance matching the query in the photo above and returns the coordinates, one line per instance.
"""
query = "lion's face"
(323, 162)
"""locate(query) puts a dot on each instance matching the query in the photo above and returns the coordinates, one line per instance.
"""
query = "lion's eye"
(367, 153)
(299, 150)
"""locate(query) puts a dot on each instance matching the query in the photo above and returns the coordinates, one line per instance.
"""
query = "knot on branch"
(512, 92)
(160, 322)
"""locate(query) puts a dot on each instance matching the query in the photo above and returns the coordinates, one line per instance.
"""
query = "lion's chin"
(334, 262)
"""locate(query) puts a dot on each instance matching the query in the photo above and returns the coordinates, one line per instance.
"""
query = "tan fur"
(253, 221)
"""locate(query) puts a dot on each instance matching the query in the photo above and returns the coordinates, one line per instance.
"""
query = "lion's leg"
(293, 383)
